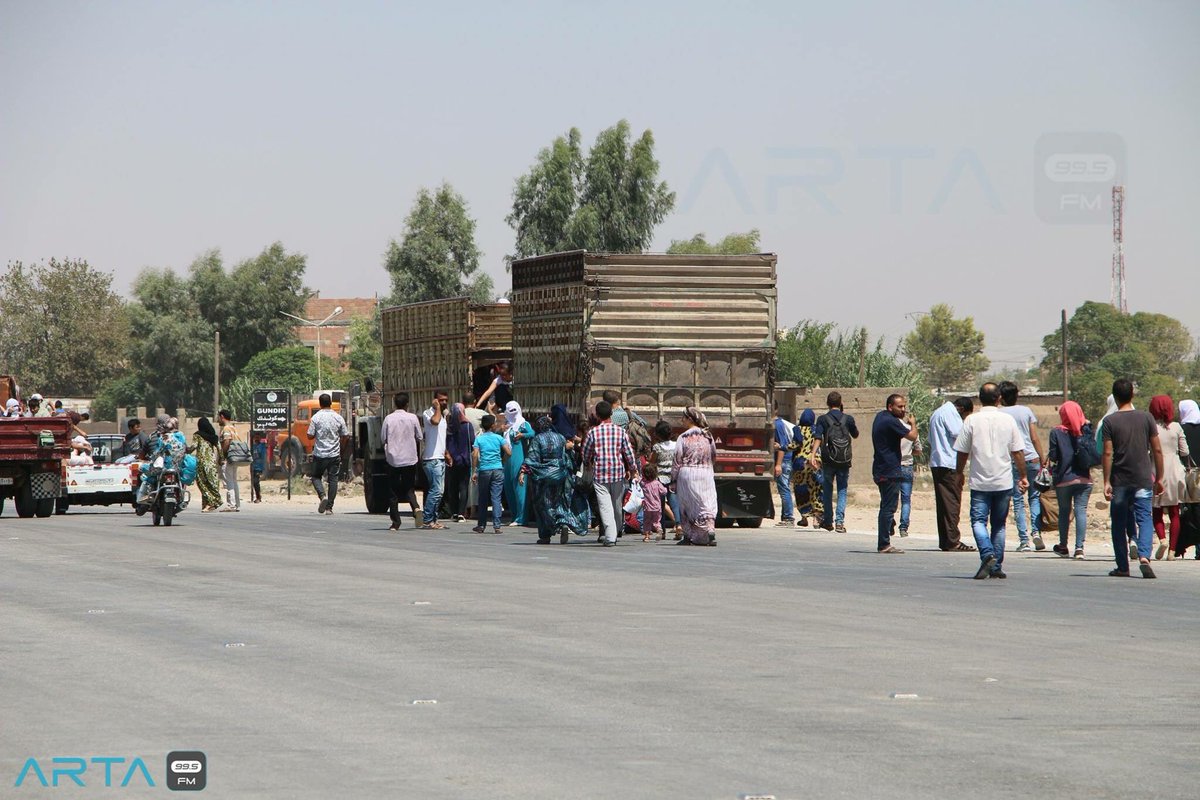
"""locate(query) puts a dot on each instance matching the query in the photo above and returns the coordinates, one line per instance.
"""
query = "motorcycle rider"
(168, 442)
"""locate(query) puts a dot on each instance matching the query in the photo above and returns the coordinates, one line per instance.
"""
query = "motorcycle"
(169, 497)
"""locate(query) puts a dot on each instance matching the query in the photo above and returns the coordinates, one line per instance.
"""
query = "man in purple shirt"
(402, 445)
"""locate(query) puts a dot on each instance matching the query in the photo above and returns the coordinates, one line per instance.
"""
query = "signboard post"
(272, 411)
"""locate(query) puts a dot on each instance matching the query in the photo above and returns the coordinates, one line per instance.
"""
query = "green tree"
(609, 202)
(62, 327)
(293, 368)
(365, 355)
(948, 350)
(437, 256)
(1154, 351)
(732, 245)
(170, 343)
(128, 391)
(818, 354)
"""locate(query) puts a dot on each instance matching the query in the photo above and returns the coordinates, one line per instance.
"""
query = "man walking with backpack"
(833, 450)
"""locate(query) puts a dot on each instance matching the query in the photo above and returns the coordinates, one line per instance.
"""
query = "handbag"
(1044, 481)
(1191, 483)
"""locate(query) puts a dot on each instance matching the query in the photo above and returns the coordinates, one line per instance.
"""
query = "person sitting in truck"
(37, 406)
(12, 409)
(135, 439)
(81, 453)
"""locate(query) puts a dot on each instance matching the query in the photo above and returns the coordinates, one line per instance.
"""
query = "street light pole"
(318, 326)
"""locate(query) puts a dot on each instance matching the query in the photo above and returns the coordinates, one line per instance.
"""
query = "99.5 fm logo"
(1073, 176)
(186, 771)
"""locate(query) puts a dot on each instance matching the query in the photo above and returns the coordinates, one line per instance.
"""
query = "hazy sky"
(888, 152)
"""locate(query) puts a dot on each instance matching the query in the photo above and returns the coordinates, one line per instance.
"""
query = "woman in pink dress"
(694, 482)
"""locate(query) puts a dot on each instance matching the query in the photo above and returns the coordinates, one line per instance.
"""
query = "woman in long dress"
(207, 478)
(1174, 453)
(695, 484)
(551, 469)
(806, 485)
(516, 435)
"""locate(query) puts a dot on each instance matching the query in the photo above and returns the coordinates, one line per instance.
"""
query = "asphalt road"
(302, 655)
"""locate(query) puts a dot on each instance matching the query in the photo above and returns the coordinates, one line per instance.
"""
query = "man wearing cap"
(37, 406)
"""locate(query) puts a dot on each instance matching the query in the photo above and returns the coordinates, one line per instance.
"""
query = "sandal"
(961, 548)
(891, 549)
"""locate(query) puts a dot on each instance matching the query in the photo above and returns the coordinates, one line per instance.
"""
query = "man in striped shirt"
(609, 455)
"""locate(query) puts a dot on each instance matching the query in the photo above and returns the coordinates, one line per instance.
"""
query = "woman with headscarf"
(516, 435)
(806, 482)
(208, 481)
(460, 438)
(1189, 515)
(695, 484)
(1175, 452)
(1072, 486)
(551, 469)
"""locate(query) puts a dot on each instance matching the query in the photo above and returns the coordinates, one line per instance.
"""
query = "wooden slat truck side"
(666, 332)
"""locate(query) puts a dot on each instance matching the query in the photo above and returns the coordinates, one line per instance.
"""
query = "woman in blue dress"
(517, 435)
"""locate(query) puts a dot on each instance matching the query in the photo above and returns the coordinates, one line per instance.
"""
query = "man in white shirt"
(329, 433)
(1028, 515)
(994, 443)
(433, 458)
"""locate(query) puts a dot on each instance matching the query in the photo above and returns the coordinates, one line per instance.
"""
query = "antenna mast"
(1117, 293)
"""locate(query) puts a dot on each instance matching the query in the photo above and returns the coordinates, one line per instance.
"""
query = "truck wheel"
(26, 507)
(724, 522)
(45, 507)
(293, 457)
(61, 505)
(749, 522)
(376, 492)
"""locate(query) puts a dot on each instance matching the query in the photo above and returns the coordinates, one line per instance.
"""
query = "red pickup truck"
(32, 450)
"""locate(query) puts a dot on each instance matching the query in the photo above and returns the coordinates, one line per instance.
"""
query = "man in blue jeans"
(1028, 515)
(433, 460)
(1130, 437)
(995, 446)
(832, 451)
(892, 425)
(783, 469)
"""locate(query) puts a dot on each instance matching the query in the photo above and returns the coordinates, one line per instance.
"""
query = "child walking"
(258, 465)
(653, 494)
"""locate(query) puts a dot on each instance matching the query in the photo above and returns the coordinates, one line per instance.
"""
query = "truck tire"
(376, 491)
(45, 508)
(61, 505)
(293, 457)
(749, 522)
(26, 507)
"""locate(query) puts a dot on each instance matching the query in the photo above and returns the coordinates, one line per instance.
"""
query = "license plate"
(6, 481)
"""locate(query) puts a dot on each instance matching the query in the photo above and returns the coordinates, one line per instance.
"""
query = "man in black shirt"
(1130, 437)
(135, 440)
(892, 425)
(832, 435)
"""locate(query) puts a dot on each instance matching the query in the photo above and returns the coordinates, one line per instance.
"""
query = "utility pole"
(1066, 380)
(862, 358)
(216, 372)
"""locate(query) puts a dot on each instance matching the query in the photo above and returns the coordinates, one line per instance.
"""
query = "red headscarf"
(1162, 408)
(1072, 417)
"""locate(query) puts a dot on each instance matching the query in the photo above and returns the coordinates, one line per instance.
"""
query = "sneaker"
(785, 523)
(1061, 549)
(803, 523)
(904, 531)
(1038, 544)
(985, 568)
(1079, 553)
(1133, 551)
(321, 506)
(1024, 547)
(839, 528)
(997, 573)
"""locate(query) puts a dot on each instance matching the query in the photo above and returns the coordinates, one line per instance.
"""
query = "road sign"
(272, 410)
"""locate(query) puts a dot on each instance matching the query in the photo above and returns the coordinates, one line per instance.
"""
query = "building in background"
(335, 334)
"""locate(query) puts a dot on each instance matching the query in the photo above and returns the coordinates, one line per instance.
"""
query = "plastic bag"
(634, 503)
(187, 472)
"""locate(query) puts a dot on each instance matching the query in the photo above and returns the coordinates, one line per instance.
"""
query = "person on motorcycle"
(167, 442)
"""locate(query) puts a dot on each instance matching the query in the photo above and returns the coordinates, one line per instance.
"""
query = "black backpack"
(1086, 457)
(835, 444)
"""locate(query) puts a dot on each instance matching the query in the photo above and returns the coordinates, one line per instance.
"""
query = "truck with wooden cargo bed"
(32, 451)
(452, 344)
(665, 332)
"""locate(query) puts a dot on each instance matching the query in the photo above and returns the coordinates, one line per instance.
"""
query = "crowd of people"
(610, 472)
(1145, 459)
